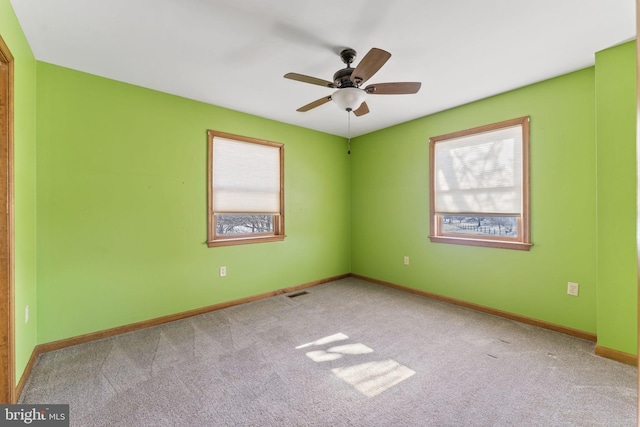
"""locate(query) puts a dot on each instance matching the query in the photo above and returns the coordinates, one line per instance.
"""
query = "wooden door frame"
(7, 294)
(638, 180)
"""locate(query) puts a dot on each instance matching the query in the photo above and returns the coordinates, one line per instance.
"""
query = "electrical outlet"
(572, 289)
(406, 260)
(223, 271)
(26, 314)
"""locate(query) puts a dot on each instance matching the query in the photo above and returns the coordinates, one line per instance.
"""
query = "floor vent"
(297, 294)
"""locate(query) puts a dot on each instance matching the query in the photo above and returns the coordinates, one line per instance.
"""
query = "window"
(479, 190)
(246, 190)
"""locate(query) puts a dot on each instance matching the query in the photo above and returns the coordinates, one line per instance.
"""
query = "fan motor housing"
(342, 78)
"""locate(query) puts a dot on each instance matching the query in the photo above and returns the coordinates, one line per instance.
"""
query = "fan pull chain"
(348, 132)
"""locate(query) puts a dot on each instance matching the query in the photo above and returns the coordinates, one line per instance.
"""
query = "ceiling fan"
(350, 96)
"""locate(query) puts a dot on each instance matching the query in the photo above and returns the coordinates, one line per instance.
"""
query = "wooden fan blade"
(362, 110)
(314, 104)
(309, 79)
(397, 88)
(370, 64)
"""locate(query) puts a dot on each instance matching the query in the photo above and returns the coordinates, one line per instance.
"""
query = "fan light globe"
(349, 98)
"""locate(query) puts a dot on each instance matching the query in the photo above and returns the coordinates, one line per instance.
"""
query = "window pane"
(478, 226)
(479, 186)
(228, 225)
(245, 190)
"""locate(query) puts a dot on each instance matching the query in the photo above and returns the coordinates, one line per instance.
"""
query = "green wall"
(122, 186)
(616, 136)
(390, 189)
(390, 193)
(582, 205)
(25, 184)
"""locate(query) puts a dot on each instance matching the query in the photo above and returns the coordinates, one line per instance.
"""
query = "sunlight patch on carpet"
(337, 352)
(373, 378)
(326, 340)
(370, 378)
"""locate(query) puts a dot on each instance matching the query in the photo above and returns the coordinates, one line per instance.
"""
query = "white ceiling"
(233, 53)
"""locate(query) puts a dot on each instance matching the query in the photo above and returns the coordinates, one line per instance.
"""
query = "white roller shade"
(480, 173)
(246, 177)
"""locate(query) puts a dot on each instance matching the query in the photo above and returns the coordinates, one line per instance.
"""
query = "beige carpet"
(347, 353)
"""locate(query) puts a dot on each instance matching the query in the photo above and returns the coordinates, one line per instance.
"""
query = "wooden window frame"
(523, 241)
(214, 240)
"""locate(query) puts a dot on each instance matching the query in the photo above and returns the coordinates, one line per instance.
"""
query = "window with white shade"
(246, 200)
(479, 190)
